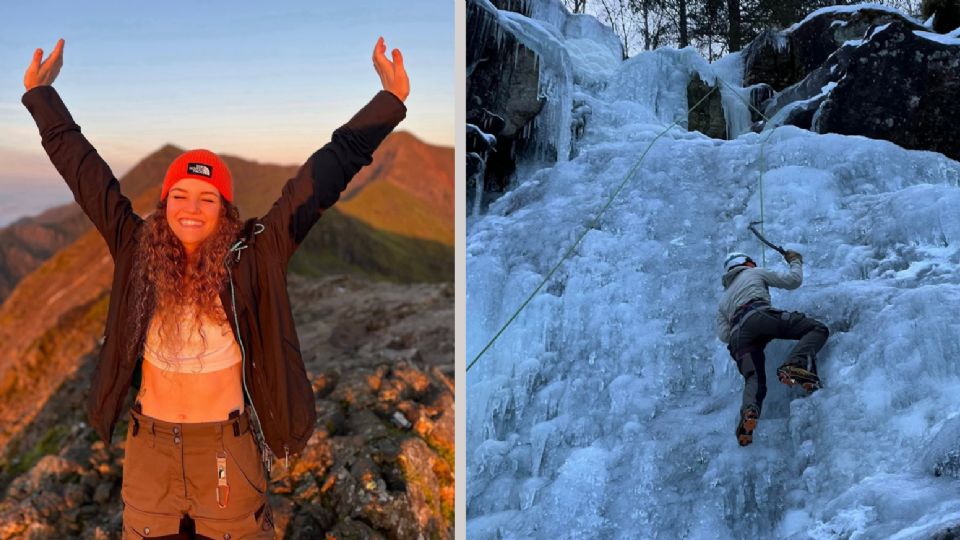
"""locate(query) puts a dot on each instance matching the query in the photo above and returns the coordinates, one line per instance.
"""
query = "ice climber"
(746, 322)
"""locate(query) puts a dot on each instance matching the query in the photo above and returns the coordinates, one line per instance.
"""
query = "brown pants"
(748, 341)
(171, 471)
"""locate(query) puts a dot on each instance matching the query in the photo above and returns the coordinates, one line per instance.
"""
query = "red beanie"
(202, 165)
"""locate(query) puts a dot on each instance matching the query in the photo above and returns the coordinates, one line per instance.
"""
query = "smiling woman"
(192, 365)
(195, 182)
(199, 318)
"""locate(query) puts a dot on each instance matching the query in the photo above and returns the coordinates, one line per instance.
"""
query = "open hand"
(392, 74)
(43, 74)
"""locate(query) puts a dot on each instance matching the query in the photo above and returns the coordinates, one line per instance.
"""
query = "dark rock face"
(819, 37)
(708, 117)
(503, 80)
(783, 58)
(946, 14)
(759, 94)
(768, 60)
(520, 87)
(900, 87)
(866, 73)
(503, 75)
(805, 97)
(950, 533)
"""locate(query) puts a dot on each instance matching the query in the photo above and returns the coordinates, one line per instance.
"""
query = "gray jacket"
(743, 284)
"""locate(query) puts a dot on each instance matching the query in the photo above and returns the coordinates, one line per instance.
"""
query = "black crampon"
(791, 375)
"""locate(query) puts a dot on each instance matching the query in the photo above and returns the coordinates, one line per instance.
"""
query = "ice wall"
(549, 133)
(607, 409)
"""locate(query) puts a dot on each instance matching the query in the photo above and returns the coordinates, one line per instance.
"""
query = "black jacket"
(255, 298)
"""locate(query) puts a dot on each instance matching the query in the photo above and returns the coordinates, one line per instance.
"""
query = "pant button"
(146, 530)
(176, 440)
(226, 536)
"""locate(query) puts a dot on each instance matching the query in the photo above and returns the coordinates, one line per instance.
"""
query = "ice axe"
(772, 246)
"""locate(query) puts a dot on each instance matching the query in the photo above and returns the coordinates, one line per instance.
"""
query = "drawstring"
(267, 454)
(241, 244)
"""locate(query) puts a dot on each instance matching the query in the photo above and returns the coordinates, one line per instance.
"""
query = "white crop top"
(222, 350)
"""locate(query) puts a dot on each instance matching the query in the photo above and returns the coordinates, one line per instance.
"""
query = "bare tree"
(654, 21)
(733, 16)
(714, 27)
(617, 14)
(576, 6)
(682, 23)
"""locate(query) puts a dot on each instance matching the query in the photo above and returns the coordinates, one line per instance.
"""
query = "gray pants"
(759, 328)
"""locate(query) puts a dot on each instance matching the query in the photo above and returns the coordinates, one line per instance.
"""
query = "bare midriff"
(198, 381)
(190, 397)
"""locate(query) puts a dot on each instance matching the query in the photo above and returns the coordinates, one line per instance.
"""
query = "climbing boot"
(746, 425)
(790, 375)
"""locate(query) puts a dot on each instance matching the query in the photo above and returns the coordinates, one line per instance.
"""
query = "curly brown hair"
(166, 285)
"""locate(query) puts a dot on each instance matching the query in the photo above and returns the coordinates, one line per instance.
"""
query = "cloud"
(19, 165)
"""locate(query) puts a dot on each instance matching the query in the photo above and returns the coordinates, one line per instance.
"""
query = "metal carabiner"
(222, 485)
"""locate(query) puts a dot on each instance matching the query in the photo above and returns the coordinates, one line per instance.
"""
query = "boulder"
(783, 58)
(902, 85)
(503, 82)
(708, 117)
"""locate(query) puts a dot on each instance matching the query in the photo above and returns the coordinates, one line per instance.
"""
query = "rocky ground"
(380, 464)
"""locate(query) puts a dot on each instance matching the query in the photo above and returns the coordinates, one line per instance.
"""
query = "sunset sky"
(257, 80)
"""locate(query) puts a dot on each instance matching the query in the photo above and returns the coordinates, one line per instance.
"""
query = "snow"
(607, 408)
(945, 39)
(781, 115)
(491, 139)
(851, 9)
(875, 30)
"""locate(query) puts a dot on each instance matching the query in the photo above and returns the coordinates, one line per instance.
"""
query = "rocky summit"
(379, 465)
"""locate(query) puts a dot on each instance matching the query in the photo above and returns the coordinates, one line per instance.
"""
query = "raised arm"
(319, 182)
(786, 280)
(94, 186)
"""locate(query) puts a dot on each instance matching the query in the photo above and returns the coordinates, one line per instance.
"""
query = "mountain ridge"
(29, 241)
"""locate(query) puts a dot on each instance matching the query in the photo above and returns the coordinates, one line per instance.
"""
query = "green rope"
(763, 170)
(763, 163)
(592, 224)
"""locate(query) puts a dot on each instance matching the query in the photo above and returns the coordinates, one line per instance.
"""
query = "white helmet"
(735, 258)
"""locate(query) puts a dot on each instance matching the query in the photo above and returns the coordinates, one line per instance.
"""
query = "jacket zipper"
(266, 452)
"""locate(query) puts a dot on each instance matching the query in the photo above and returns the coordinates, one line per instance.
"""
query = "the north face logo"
(199, 169)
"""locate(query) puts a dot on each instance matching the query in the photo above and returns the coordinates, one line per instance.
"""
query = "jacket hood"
(732, 274)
